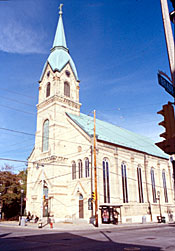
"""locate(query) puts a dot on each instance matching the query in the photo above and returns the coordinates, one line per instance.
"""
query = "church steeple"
(60, 39)
(59, 56)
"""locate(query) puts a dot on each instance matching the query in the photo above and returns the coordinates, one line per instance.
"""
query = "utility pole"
(168, 37)
(91, 181)
(22, 191)
(168, 145)
(95, 173)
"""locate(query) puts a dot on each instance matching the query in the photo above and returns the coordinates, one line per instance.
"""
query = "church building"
(134, 177)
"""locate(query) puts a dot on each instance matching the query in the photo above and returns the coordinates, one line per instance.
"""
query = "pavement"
(68, 226)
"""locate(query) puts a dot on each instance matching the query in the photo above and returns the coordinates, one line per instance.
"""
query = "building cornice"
(51, 159)
(56, 98)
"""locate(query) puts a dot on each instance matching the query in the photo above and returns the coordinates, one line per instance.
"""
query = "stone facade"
(66, 197)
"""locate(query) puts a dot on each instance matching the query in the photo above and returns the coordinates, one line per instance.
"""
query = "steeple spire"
(60, 40)
(59, 54)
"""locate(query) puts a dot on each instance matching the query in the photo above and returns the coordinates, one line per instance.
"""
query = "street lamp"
(0, 203)
(22, 191)
(158, 195)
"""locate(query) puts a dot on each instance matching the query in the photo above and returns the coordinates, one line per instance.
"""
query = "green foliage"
(11, 186)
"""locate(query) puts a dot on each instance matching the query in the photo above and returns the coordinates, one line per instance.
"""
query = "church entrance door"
(81, 207)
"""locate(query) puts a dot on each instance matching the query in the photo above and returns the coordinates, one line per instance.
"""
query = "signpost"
(166, 85)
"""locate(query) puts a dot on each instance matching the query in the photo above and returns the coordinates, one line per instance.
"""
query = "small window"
(73, 170)
(124, 183)
(106, 186)
(164, 186)
(48, 73)
(48, 90)
(153, 186)
(86, 167)
(68, 73)
(80, 169)
(66, 89)
(140, 187)
(45, 136)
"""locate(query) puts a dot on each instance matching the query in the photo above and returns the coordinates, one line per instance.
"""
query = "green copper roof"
(59, 55)
(113, 134)
(60, 39)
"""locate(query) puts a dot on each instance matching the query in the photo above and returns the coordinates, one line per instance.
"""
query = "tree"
(11, 185)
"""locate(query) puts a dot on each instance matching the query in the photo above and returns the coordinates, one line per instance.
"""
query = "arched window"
(86, 167)
(106, 181)
(80, 168)
(67, 73)
(48, 73)
(73, 170)
(153, 186)
(164, 186)
(66, 89)
(48, 90)
(45, 135)
(124, 183)
(140, 187)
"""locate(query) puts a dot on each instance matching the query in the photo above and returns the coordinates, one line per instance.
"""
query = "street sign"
(166, 85)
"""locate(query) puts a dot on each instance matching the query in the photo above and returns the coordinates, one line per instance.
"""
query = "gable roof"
(116, 135)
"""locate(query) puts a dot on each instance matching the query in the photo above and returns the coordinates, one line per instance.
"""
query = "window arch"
(80, 169)
(66, 89)
(153, 186)
(140, 187)
(164, 186)
(48, 73)
(86, 167)
(73, 170)
(45, 135)
(67, 73)
(106, 185)
(124, 183)
(48, 90)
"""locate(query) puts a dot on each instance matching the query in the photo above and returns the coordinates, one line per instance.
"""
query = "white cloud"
(17, 37)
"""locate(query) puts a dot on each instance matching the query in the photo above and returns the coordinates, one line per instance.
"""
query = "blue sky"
(117, 47)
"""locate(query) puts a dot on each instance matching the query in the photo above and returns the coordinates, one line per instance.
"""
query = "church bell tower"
(58, 91)
(49, 160)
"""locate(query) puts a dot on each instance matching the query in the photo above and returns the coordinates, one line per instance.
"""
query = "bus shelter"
(111, 214)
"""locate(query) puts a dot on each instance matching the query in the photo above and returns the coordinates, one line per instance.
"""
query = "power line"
(20, 94)
(17, 101)
(18, 110)
(31, 134)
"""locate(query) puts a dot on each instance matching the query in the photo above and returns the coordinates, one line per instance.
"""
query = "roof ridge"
(117, 135)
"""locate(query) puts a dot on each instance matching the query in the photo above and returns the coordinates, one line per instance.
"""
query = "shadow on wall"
(64, 241)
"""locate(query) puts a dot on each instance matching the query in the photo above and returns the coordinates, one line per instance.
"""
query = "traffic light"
(168, 145)
(169, 121)
(93, 196)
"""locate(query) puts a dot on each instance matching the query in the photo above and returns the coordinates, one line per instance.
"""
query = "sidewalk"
(84, 226)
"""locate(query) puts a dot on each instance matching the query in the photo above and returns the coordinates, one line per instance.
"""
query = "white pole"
(168, 37)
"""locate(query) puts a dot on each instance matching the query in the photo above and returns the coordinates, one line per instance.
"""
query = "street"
(126, 238)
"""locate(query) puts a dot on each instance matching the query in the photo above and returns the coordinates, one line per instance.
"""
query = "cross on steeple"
(60, 8)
